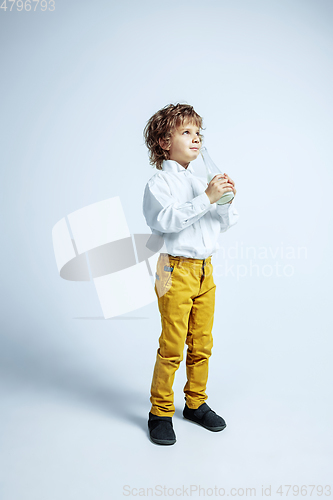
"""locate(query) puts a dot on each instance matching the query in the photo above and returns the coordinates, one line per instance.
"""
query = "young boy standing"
(180, 207)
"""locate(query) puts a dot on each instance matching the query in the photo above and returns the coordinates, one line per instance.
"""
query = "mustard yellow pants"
(185, 291)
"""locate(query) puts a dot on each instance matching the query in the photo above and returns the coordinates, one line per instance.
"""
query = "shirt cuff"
(223, 209)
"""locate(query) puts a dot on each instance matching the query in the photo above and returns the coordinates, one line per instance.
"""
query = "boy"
(178, 206)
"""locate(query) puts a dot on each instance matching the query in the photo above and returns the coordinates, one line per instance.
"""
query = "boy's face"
(185, 144)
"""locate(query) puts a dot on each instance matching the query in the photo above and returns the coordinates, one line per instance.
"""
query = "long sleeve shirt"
(177, 208)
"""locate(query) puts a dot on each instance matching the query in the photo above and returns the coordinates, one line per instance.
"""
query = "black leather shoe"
(161, 429)
(206, 417)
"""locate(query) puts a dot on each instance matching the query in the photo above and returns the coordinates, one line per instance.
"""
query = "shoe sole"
(213, 429)
(162, 441)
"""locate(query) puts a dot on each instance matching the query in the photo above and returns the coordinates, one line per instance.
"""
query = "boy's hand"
(219, 185)
(233, 183)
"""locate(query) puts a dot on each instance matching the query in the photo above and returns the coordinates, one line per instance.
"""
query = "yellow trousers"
(186, 299)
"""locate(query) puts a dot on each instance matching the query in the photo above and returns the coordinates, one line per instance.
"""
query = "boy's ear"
(163, 144)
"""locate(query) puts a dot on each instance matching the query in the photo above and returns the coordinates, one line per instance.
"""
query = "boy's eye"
(187, 132)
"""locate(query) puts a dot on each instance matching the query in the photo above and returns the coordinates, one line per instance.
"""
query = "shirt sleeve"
(227, 215)
(163, 213)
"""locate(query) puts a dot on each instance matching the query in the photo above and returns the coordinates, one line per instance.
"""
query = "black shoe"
(206, 417)
(161, 429)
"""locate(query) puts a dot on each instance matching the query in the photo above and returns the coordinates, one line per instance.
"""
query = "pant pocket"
(163, 279)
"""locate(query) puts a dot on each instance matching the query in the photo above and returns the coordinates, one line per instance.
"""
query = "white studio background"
(77, 87)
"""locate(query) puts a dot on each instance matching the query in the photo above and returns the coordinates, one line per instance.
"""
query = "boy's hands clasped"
(219, 185)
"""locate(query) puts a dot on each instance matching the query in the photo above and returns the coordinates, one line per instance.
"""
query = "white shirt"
(177, 208)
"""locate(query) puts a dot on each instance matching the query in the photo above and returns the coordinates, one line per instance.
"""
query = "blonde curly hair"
(162, 125)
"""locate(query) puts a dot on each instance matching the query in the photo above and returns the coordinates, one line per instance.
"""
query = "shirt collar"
(174, 166)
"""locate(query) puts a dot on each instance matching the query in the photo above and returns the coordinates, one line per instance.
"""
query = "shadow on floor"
(76, 380)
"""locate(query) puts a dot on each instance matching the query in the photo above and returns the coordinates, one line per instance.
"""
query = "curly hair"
(162, 125)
